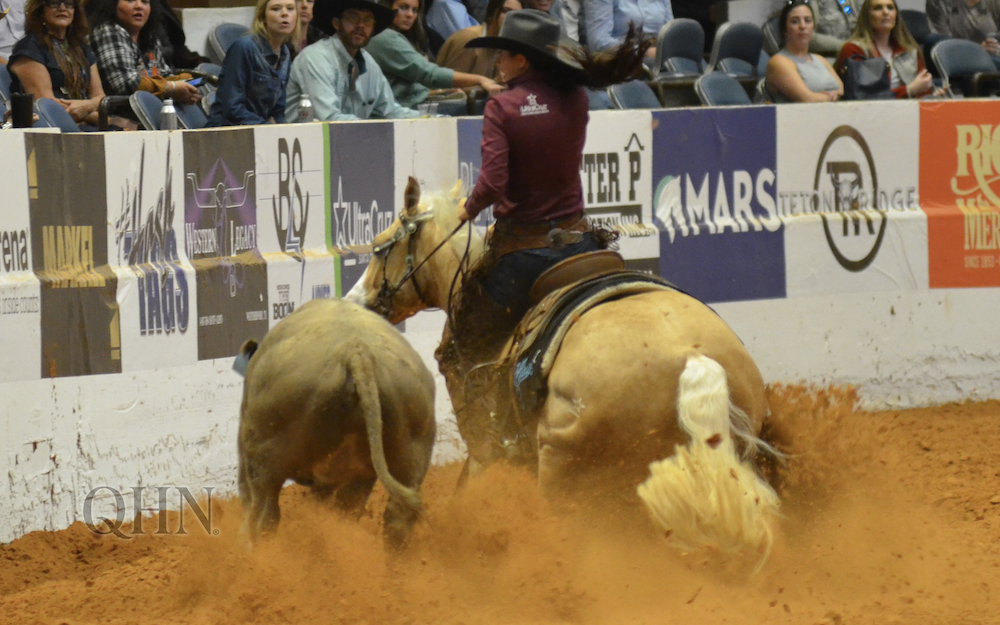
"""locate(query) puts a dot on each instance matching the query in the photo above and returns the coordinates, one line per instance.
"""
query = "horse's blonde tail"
(705, 495)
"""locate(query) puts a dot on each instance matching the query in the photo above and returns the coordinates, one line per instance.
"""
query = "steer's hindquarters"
(706, 494)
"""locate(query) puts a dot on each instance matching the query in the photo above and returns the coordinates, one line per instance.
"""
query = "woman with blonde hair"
(880, 32)
(255, 70)
(54, 61)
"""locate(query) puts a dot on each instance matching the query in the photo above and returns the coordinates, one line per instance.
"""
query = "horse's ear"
(411, 197)
(456, 190)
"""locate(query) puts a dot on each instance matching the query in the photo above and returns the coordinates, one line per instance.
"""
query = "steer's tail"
(361, 369)
(705, 495)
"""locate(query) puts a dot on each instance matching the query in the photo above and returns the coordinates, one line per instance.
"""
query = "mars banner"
(220, 221)
(714, 200)
(69, 253)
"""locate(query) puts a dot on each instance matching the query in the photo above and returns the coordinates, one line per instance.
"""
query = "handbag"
(867, 80)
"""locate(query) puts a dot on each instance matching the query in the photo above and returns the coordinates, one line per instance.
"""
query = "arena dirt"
(890, 518)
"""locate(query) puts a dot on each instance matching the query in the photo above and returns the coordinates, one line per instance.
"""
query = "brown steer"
(335, 398)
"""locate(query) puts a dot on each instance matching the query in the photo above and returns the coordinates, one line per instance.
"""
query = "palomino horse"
(652, 376)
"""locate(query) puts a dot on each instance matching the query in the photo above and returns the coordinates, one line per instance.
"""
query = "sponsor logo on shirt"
(533, 107)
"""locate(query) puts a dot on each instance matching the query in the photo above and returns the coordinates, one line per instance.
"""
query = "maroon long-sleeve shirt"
(533, 136)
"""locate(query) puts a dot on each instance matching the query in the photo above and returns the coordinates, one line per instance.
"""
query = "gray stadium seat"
(720, 89)
(772, 36)
(599, 100)
(54, 115)
(965, 65)
(221, 37)
(679, 48)
(917, 23)
(736, 49)
(634, 94)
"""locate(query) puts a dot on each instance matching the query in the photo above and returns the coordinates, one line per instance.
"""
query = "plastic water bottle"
(305, 109)
(168, 115)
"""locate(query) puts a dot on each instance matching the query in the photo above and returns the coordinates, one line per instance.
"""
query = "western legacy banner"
(20, 299)
(362, 181)
(847, 190)
(220, 223)
(617, 178)
(69, 239)
(960, 191)
(715, 203)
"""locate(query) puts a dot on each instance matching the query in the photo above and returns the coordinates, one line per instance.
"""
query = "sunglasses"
(55, 4)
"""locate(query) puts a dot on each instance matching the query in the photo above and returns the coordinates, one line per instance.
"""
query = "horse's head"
(412, 268)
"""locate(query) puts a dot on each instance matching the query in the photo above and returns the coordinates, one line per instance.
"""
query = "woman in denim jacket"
(255, 70)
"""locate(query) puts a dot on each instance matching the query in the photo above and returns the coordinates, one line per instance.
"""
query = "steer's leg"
(352, 496)
(265, 488)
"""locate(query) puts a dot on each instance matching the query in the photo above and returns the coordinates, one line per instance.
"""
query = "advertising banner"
(851, 169)
(220, 223)
(291, 204)
(362, 189)
(156, 283)
(715, 173)
(470, 161)
(425, 149)
(69, 253)
(291, 187)
(20, 307)
(617, 176)
(960, 191)
(294, 279)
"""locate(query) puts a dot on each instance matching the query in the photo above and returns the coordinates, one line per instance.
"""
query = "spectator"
(129, 53)
(54, 61)
(834, 21)
(342, 80)
(446, 17)
(308, 33)
(480, 61)
(255, 70)
(881, 33)
(411, 75)
(607, 20)
(477, 9)
(175, 50)
(11, 27)
(793, 74)
(975, 20)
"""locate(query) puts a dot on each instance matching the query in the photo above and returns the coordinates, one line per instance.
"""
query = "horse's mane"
(443, 206)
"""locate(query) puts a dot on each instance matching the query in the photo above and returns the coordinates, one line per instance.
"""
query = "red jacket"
(533, 136)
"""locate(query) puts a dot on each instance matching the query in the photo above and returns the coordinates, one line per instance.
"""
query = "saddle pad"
(547, 325)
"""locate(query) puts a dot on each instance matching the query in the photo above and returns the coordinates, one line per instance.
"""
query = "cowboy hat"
(326, 10)
(536, 35)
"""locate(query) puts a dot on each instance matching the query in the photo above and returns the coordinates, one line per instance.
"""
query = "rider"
(533, 137)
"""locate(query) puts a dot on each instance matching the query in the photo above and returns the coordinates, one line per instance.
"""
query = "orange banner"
(960, 191)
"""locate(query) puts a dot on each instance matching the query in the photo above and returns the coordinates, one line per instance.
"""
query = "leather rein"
(408, 226)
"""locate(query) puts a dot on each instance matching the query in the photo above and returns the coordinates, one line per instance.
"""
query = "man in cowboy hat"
(342, 80)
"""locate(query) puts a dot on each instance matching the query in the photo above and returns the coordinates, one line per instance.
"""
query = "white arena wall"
(133, 265)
